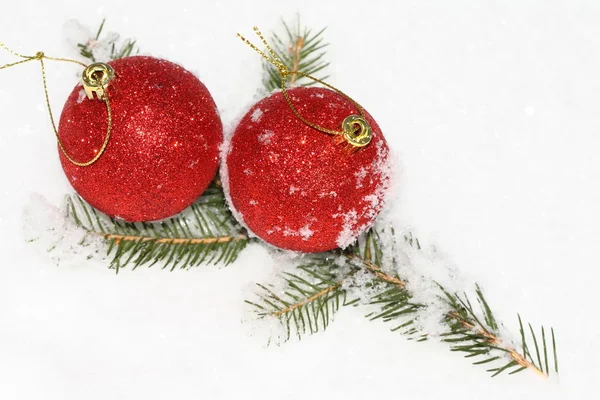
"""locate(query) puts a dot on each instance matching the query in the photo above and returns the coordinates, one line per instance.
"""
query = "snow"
(361, 174)
(50, 233)
(492, 111)
(423, 270)
(81, 96)
(348, 234)
(384, 166)
(256, 116)
(305, 232)
(328, 194)
(265, 138)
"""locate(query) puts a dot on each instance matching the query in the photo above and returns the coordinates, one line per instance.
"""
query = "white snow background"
(492, 110)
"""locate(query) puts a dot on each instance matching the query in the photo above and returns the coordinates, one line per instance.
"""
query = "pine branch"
(480, 338)
(300, 50)
(308, 301)
(473, 332)
(315, 291)
(204, 234)
(392, 299)
(113, 47)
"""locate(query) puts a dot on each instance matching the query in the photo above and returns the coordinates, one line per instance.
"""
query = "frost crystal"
(360, 175)
(347, 235)
(265, 138)
(256, 115)
(305, 232)
(330, 194)
(373, 201)
(81, 96)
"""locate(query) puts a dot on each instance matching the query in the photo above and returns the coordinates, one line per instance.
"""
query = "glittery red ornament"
(163, 151)
(292, 185)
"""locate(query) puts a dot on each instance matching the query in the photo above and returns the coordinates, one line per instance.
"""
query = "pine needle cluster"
(206, 233)
(117, 48)
(300, 50)
(320, 287)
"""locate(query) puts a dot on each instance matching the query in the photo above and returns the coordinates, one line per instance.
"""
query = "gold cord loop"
(40, 56)
(356, 130)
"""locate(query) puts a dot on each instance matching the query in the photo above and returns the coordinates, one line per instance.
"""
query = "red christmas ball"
(292, 185)
(163, 150)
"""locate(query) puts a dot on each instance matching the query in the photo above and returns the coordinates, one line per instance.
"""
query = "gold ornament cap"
(95, 79)
(357, 131)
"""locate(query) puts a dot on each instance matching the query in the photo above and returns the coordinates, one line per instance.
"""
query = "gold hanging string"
(355, 129)
(40, 56)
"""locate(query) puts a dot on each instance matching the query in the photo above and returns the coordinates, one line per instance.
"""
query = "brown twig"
(306, 301)
(490, 337)
(295, 51)
(378, 271)
(128, 238)
(369, 265)
(497, 342)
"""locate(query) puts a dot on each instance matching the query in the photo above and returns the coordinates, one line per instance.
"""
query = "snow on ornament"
(140, 138)
(294, 186)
